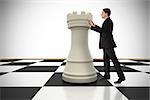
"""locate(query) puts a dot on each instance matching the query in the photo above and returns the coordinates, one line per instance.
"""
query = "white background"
(38, 28)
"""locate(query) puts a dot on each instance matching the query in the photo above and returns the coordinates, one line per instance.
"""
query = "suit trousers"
(109, 54)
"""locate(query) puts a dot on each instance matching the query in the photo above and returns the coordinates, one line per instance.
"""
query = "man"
(107, 44)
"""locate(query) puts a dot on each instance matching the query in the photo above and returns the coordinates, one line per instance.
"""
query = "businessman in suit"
(108, 44)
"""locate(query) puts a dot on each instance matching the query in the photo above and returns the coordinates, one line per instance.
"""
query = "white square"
(133, 79)
(98, 63)
(60, 69)
(25, 79)
(127, 60)
(10, 68)
(34, 60)
(146, 63)
(47, 64)
(4, 63)
(79, 93)
(102, 63)
(141, 68)
(65, 60)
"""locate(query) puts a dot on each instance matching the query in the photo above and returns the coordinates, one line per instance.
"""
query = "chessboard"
(41, 79)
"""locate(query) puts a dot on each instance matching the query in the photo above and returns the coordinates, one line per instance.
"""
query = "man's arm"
(96, 28)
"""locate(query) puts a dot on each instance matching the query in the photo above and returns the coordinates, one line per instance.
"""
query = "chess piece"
(79, 67)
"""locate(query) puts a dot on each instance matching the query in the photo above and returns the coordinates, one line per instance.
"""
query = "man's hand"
(91, 23)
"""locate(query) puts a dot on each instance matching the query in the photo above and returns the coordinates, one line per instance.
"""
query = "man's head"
(105, 13)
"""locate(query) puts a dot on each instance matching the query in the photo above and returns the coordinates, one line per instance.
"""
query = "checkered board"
(22, 79)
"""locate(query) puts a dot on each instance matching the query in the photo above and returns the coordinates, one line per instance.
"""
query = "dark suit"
(107, 43)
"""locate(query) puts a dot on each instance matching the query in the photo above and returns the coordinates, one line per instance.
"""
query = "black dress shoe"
(106, 77)
(119, 80)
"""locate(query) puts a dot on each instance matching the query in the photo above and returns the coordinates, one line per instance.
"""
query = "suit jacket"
(106, 37)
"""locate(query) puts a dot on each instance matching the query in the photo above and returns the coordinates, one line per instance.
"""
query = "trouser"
(110, 54)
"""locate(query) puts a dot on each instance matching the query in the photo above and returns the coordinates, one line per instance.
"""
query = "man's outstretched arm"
(94, 27)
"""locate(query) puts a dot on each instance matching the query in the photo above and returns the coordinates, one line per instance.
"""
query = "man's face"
(103, 15)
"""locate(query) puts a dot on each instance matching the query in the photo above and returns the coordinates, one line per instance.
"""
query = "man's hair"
(107, 10)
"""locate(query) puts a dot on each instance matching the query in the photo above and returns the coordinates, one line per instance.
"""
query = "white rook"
(79, 67)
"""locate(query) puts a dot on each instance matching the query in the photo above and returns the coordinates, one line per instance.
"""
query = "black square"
(1, 73)
(112, 69)
(56, 80)
(98, 60)
(53, 60)
(38, 69)
(19, 63)
(148, 72)
(18, 93)
(135, 93)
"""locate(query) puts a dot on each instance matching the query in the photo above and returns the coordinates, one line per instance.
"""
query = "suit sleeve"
(97, 29)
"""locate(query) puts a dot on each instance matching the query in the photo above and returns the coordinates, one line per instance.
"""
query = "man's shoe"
(106, 77)
(119, 80)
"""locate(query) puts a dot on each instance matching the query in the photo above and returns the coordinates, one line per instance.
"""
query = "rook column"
(79, 67)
